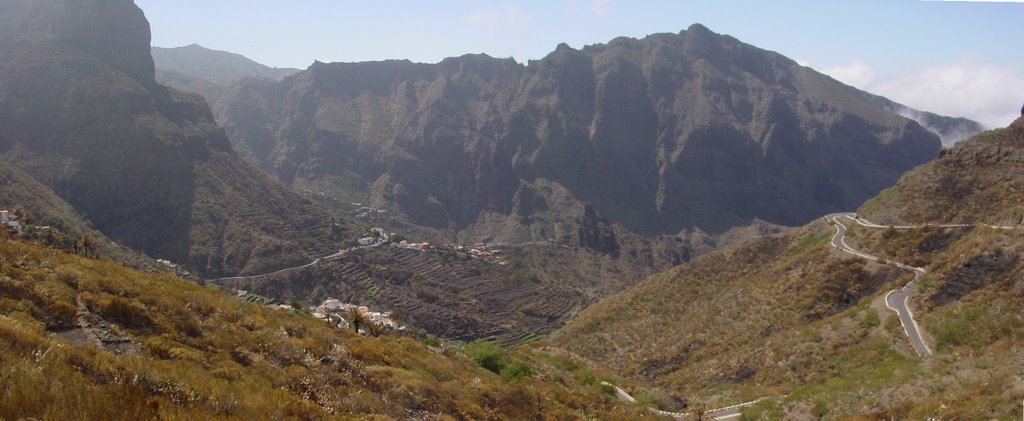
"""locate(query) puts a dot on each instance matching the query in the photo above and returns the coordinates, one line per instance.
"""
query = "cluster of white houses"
(377, 236)
(490, 253)
(413, 246)
(336, 313)
(10, 221)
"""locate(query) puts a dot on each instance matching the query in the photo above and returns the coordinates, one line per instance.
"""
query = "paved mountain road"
(726, 413)
(896, 300)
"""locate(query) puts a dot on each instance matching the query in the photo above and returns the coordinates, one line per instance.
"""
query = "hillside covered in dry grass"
(89, 339)
(793, 320)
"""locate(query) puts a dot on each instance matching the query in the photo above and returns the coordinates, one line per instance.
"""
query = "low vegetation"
(87, 338)
(791, 320)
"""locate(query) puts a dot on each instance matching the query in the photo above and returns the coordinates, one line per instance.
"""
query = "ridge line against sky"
(955, 58)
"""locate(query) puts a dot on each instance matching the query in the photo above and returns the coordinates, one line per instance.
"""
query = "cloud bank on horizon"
(988, 93)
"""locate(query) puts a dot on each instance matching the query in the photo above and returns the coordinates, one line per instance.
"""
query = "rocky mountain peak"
(114, 31)
(699, 40)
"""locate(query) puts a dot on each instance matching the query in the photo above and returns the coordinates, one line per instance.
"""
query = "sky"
(956, 58)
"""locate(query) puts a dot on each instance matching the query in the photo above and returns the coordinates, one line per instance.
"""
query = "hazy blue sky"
(957, 58)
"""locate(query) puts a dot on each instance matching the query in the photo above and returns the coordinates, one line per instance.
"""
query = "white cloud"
(968, 87)
(509, 15)
(602, 7)
(857, 73)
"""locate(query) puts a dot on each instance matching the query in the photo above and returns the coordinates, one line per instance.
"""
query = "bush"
(62, 313)
(486, 355)
(123, 311)
(820, 409)
(516, 370)
(871, 319)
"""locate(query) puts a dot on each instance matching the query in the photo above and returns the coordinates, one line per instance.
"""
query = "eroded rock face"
(81, 112)
(667, 133)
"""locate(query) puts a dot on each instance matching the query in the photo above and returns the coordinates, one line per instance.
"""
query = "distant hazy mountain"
(950, 129)
(672, 132)
(81, 112)
(194, 68)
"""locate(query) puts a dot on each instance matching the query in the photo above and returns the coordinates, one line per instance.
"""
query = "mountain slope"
(21, 192)
(672, 132)
(209, 73)
(90, 339)
(197, 61)
(991, 196)
(794, 320)
(81, 112)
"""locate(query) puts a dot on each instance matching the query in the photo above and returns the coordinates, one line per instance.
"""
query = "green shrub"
(486, 355)
(516, 370)
(820, 409)
(871, 319)
(974, 327)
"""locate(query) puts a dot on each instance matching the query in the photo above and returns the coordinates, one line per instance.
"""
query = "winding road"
(896, 300)
(725, 413)
(318, 260)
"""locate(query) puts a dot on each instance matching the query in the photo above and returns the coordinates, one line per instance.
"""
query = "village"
(490, 253)
(343, 315)
(335, 312)
(9, 220)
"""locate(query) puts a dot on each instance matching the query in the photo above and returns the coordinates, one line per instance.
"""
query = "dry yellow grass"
(191, 352)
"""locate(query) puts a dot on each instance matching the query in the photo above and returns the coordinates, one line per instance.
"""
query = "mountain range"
(672, 133)
(612, 216)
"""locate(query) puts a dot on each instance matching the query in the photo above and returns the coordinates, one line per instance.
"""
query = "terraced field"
(449, 297)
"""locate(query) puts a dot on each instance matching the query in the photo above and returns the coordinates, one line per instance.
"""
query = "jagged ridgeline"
(671, 132)
(81, 112)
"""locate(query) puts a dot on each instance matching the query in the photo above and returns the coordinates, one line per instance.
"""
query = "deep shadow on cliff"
(81, 112)
(670, 133)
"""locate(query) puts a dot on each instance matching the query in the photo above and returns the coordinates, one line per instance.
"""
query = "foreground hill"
(81, 112)
(90, 339)
(793, 320)
(671, 132)
(207, 72)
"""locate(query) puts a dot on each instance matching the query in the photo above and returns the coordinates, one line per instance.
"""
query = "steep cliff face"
(80, 111)
(673, 132)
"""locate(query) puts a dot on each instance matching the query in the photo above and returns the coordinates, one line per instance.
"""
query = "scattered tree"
(88, 246)
(700, 410)
(355, 317)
